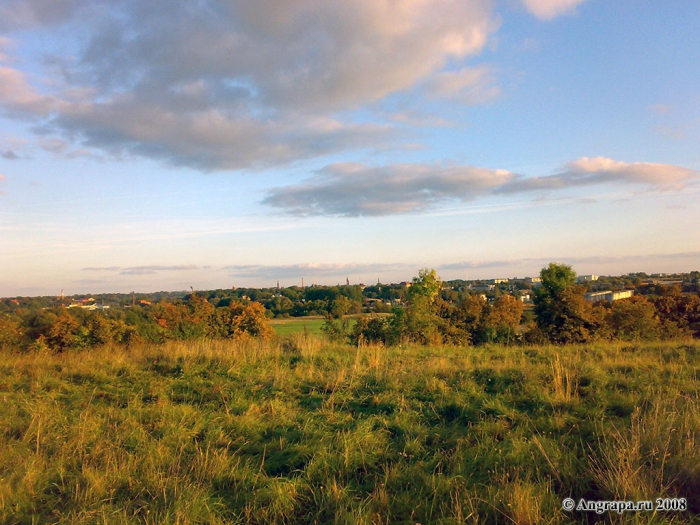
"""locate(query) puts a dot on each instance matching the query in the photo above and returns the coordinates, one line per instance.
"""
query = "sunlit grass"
(294, 325)
(302, 431)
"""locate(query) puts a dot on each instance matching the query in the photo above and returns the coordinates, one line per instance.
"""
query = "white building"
(587, 278)
(609, 295)
(534, 281)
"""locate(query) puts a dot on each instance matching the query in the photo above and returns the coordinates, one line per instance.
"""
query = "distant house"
(525, 298)
(534, 281)
(498, 281)
(482, 287)
(667, 282)
(586, 278)
(89, 306)
(609, 295)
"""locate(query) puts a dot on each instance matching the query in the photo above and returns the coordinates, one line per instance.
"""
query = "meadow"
(299, 430)
(311, 324)
(294, 325)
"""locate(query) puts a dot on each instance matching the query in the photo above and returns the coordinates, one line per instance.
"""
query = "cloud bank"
(310, 271)
(145, 270)
(236, 84)
(352, 190)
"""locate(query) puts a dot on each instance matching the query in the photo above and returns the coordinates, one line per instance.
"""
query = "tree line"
(562, 315)
(426, 312)
(59, 329)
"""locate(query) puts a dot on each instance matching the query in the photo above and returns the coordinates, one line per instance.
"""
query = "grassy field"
(294, 325)
(310, 324)
(298, 431)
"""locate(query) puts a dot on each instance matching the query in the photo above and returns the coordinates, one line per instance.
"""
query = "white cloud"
(469, 85)
(322, 271)
(664, 175)
(548, 9)
(233, 84)
(352, 190)
(145, 270)
(16, 94)
(600, 170)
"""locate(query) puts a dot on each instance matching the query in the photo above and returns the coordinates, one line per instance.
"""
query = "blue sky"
(157, 146)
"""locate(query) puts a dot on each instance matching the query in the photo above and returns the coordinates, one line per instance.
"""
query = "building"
(498, 281)
(609, 295)
(534, 281)
(482, 287)
(586, 278)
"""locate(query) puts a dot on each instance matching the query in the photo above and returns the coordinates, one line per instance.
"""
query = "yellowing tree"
(503, 320)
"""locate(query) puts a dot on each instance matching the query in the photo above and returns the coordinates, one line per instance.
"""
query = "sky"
(148, 145)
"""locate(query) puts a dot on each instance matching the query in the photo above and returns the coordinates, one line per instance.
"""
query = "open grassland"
(308, 324)
(299, 431)
(294, 325)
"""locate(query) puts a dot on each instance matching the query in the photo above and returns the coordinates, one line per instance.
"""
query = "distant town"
(315, 299)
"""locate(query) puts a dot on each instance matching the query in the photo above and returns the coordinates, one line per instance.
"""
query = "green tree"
(563, 314)
(422, 320)
(633, 319)
(340, 306)
(370, 329)
(101, 330)
(556, 278)
(63, 333)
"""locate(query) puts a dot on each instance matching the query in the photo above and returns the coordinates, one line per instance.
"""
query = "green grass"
(300, 325)
(295, 325)
(300, 431)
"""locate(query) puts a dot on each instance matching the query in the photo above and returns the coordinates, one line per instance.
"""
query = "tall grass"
(302, 431)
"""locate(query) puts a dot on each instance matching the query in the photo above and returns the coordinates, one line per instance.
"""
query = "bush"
(370, 330)
(634, 319)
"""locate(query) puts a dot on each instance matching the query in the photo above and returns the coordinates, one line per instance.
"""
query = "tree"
(468, 315)
(11, 333)
(562, 312)
(101, 329)
(679, 314)
(503, 320)
(426, 286)
(369, 330)
(340, 306)
(238, 319)
(633, 319)
(422, 320)
(63, 333)
(556, 278)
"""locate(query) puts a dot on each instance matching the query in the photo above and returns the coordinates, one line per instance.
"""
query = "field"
(300, 431)
(310, 324)
(294, 325)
